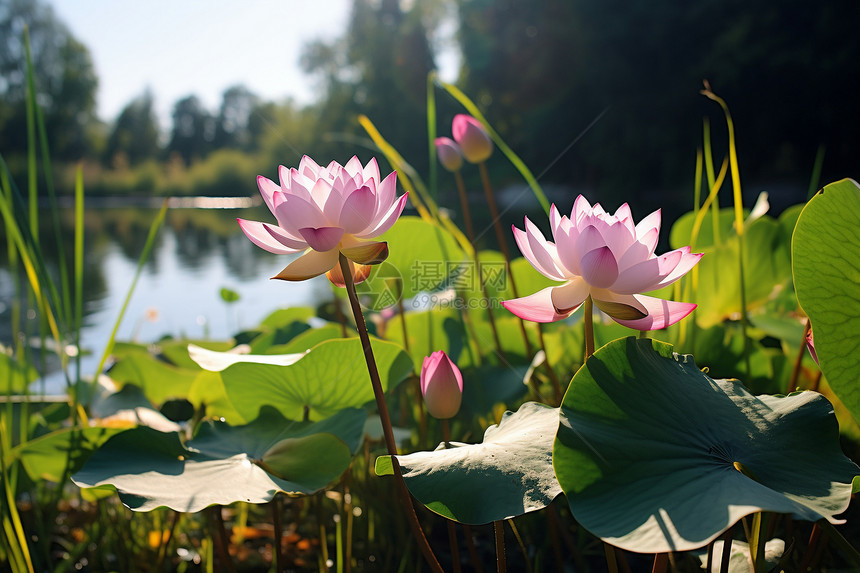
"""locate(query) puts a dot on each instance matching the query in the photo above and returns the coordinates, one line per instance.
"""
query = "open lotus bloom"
(608, 258)
(325, 211)
(441, 385)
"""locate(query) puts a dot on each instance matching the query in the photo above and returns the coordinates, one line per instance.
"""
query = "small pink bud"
(810, 345)
(441, 385)
(474, 140)
(449, 153)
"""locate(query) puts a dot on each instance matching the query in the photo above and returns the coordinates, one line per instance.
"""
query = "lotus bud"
(441, 385)
(475, 142)
(449, 153)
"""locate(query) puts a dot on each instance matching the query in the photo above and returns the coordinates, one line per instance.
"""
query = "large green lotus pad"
(224, 464)
(507, 475)
(649, 449)
(826, 263)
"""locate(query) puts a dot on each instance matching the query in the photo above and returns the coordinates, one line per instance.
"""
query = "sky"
(178, 48)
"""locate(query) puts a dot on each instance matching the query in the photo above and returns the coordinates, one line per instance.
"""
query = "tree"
(65, 80)
(135, 133)
(233, 125)
(193, 130)
(379, 69)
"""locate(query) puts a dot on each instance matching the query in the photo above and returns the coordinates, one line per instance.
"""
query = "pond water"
(198, 251)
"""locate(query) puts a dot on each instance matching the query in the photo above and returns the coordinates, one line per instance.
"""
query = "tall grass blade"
(709, 170)
(815, 179)
(66, 309)
(423, 203)
(79, 264)
(150, 241)
(464, 100)
(26, 260)
(431, 134)
(18, 543)
(32, 172)
(739, 217)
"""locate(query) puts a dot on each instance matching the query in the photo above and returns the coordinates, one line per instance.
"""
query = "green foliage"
(655, 456)
(223, 464)
(825, 252)
(329, 378)
(508, 474)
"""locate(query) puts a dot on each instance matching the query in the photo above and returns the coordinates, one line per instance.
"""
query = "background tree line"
(541, 70)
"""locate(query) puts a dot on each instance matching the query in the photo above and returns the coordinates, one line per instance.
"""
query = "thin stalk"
(709, 168)
(503, 245)
(518, 163)
(519, 538)
(150, 241)
(473, 551)
(499, 534)
(727, 550)
(321, 524)
(464, 206)
(79, 267)
(379, 395)
(588, 318)
(811, 547)
(661, 563)
(278, 534)
(759, 526)
(431, 131)
(415, 382)
(611, 558)
(220, 540)
(833, 534)
(739, 219)
(347, 510)
(165, 543)
(17, 534)
(798, 361)
(815, 178)
(452, 526)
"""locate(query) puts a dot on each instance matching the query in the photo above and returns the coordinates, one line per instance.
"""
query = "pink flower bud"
(449, 153)
(441, 385)
(474, 140)
(810, 345)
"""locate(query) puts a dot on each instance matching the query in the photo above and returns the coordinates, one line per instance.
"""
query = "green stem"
(387, 432)
(588, 316)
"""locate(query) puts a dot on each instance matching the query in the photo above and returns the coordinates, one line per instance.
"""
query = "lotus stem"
(503, 245)
(611, 561)
(499, 530)
(277, 550)
(379, 395)
(727, 550)
(473, 551)
(588, 317)
(661, 563)
(464, 205)
(795, 373)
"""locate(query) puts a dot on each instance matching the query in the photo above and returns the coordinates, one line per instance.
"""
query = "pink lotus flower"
(325, 211)
(472, 137)
(441, 385)
(608, 258)
(810, 345)
(449, 153)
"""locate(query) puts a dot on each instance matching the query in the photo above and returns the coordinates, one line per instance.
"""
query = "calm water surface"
(178, 294)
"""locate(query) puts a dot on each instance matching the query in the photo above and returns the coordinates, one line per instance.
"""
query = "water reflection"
(196, 253)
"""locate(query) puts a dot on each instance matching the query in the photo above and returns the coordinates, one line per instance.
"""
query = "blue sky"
(193, 46)
(202, 47)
